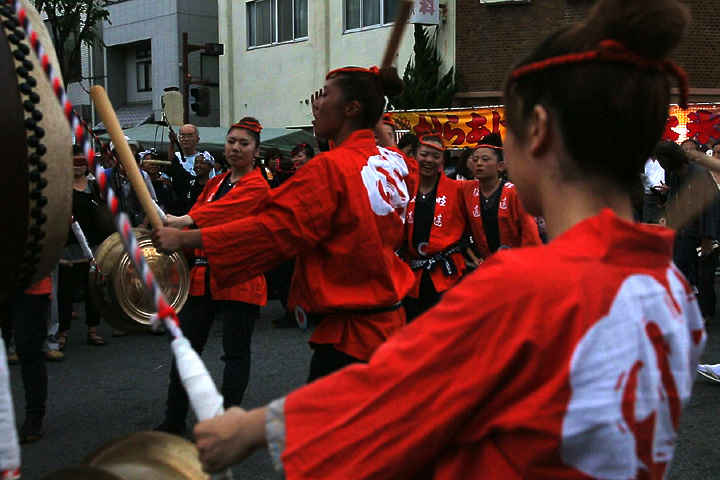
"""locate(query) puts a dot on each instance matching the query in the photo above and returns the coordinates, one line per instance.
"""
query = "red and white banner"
(466, 127)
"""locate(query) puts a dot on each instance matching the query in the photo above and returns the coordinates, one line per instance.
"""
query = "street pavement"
(97, 394)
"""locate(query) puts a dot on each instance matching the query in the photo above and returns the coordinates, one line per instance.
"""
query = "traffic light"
(200, 100)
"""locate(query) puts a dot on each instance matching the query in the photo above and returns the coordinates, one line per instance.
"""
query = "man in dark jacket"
(696, 247)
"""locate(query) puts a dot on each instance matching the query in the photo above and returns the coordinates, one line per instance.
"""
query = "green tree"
(73, 23)
(425, 86)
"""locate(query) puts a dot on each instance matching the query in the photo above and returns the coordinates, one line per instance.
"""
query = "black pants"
(278, 281)
(699, 271)
(70, 278)
(196, 318)
(706, 283)
(29, 323)
(427, 298)
(326, 360)
(686, 257)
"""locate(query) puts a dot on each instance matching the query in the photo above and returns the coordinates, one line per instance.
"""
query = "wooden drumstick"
(401, 19)
(105, 109)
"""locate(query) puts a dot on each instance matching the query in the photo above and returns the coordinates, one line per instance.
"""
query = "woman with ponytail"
(342, 215)
(230, 196)
(579, 368)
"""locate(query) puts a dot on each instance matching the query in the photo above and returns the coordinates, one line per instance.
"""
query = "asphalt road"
(99, 393)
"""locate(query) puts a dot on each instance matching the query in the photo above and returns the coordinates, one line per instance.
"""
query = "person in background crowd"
(227, 197)
(408, 144)
(542, 381)
(129, 202)
(279, 278)
(93, 216)
(106, 158)
(29, 316)
(690, 145)
(331, 215)
(464, 167)
(188, 187)
(654, 189)
(189, 138)
(385, 131)
(273, 157)
(499, 219)
(712, 164)
(715, 152)
(301, 154)
(160, 182)
(435, 223)
(696, 246)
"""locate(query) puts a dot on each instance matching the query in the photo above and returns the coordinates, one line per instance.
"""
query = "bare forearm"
(711, 163)
(191, 239)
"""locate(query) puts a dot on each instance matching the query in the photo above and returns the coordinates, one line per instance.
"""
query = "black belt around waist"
(301, 316)
(442, 258)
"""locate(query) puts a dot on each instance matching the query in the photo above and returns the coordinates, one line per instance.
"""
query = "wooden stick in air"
(105, 109)
(401, 20)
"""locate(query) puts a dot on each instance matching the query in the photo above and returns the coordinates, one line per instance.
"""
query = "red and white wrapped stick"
(203, 395)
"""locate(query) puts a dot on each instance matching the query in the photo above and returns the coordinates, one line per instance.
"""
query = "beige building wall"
(274, 83)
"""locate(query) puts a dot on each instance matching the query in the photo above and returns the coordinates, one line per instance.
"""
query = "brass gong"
(120, 296)
(139, 456)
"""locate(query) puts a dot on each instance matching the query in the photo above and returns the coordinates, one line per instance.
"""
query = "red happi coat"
(342, 215)
(534, 383)
(449, 224)
(517, 228)
(243, 200)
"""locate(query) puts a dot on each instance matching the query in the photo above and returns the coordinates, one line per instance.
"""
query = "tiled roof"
(131, 115)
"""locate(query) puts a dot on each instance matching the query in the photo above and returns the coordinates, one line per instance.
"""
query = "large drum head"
(122, 300)
(36, 182)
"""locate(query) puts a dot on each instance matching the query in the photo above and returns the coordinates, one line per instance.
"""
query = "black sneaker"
(32, 429)
(287, 321)
(170, 426)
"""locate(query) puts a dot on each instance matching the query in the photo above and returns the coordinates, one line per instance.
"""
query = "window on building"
(369, 13)
(144, 70)
(276, 21)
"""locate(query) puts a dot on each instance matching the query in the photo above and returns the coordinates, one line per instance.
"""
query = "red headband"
(388, 120)
(431, 144)
(485, 145)
(371, 71)
(252, 126)
(611, 51)
(298, 148)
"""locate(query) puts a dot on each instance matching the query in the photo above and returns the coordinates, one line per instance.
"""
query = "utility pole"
(209, 48)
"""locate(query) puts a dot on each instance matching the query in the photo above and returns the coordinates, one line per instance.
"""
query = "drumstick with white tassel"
(202, 393)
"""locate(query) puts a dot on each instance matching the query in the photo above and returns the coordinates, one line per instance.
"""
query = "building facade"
(277, 52)
(492, 35)
(144, 54)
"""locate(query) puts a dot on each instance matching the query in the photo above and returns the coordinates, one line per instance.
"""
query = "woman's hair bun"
(391, 83)
(249, 120)
(648, 27)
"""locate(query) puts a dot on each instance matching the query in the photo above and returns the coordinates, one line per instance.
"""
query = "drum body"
(36, 183)
(119, 293)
